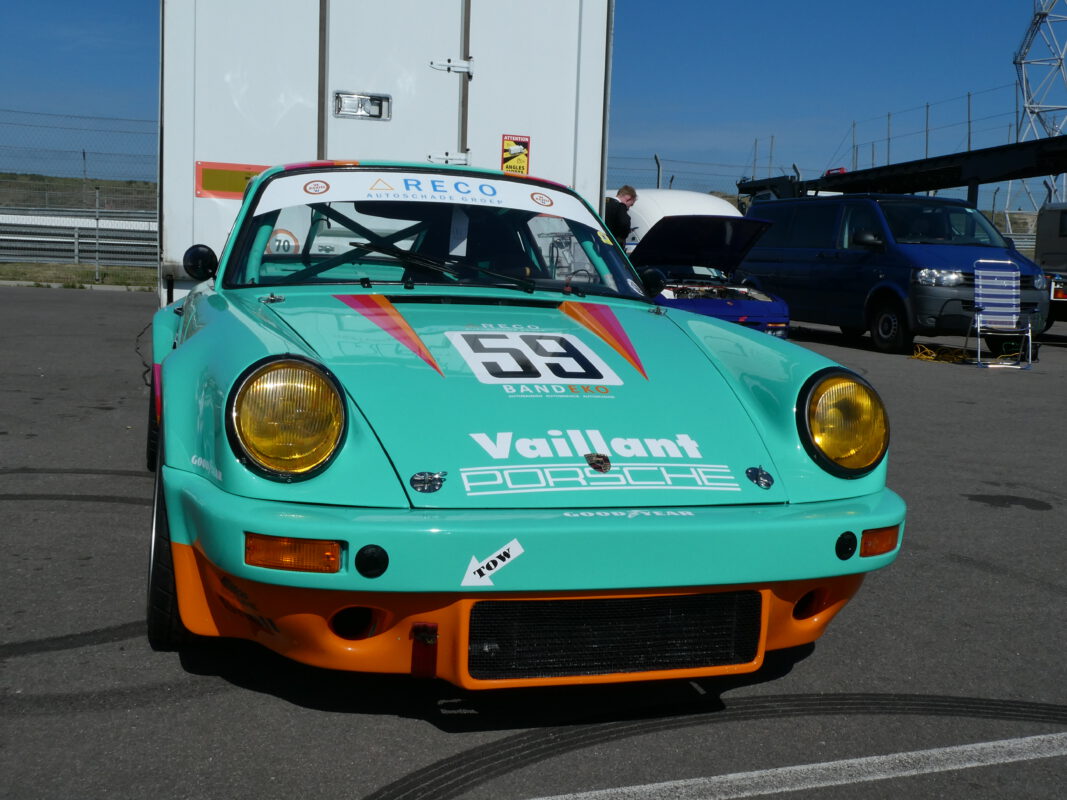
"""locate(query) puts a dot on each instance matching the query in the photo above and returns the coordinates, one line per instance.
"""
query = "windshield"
(913, 222)
(425, 228)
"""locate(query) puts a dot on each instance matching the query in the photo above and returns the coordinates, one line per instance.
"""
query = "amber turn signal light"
(301, 555)
(877, 541)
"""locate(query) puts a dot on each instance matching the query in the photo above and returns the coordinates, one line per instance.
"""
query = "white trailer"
(246, 84)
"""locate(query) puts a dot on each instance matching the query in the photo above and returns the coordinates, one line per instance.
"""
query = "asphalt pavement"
(945, 677)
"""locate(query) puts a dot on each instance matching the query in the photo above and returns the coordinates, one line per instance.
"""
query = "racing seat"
(999, 315)
(495, 245)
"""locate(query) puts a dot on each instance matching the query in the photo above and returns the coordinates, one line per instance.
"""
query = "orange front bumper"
(427, 634)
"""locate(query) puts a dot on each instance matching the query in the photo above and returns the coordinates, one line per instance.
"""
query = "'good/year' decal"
(512, 357)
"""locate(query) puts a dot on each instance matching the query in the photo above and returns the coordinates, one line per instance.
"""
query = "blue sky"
(696, 82)
(703, 81)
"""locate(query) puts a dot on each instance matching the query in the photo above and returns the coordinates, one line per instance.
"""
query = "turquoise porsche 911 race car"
(430, 421)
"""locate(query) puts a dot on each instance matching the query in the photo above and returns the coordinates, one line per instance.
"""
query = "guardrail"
(124, 238)
(1024, 242)
(81, 213)
(48, 236)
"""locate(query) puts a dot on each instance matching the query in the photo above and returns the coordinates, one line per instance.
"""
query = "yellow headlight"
(288, 417)
(847, 422)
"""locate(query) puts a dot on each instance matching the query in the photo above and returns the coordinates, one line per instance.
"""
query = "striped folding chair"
(997, 312)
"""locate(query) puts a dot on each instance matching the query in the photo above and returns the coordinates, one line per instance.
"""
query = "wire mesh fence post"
(97, 278)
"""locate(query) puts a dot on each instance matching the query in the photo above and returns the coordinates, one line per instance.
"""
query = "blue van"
(894, 265)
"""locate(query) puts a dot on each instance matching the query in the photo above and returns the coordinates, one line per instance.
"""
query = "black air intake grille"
(555, 638)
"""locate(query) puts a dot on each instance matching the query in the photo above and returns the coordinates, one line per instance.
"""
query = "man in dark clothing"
(616, 212)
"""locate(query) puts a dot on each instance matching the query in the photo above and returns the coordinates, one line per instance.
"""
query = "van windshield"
(916, 222)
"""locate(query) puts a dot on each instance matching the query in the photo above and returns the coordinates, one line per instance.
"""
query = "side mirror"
(868, 239)
(653, 281)
(200, 262)
(1010, 241)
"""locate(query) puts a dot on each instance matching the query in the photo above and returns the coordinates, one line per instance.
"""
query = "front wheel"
(151, 450)
(890, 332)
(164, 623)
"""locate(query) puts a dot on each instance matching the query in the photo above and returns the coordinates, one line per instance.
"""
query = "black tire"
(890, 332)
(164, 623)
(151, 450)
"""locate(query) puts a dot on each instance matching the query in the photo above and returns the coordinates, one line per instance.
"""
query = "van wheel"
(889, 328)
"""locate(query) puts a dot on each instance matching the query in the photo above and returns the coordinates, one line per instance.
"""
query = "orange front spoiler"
(426, 634)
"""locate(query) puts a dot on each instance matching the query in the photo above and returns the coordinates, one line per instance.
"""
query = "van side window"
(858, 218)
(1062, 217)
(779, 217)
(814, 225)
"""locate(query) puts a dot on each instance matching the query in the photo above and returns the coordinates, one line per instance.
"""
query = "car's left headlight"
(842, 422)
(939, 277)
(287, 417)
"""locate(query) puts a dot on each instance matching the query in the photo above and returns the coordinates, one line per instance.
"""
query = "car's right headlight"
(287, 417)
(843, 423)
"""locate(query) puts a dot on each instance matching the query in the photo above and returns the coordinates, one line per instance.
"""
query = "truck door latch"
(449, 158)
(362, 106)
(450, 65)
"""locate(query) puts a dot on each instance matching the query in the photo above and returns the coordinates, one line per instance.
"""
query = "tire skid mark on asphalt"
(148, 695)
(81, 498)
(47, 704)
(73, 641)
(457, 775)
(998, 570)
(74, 497)
(990, 567)
(127, 473)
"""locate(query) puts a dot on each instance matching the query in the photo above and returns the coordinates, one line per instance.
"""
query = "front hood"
(962, 257)
(526, 402)
(697, 241)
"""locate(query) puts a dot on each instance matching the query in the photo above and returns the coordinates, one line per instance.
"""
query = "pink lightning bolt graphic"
(602, 321)
(382, 313)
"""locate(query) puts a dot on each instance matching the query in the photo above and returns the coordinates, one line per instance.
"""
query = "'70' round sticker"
(531, 357)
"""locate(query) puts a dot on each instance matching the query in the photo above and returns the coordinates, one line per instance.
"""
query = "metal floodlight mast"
(1042, 80)
(1039, 64)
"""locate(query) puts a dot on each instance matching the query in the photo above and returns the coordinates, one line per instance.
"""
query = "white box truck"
(247, 84)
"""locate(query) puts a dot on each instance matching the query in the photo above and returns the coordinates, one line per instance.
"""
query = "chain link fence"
(77, 191)
(69, 182)
(54, 161)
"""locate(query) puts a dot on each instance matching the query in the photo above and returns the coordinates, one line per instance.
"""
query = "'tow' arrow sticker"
(479, 573)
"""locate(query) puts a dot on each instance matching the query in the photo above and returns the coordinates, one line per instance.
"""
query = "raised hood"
(719, 242)
(521, 403)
